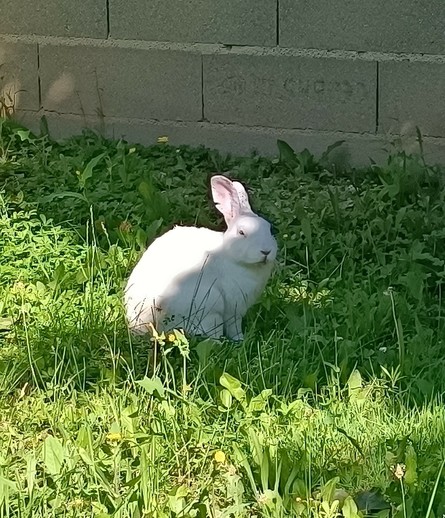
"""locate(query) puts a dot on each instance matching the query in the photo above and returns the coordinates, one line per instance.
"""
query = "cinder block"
(54, 17)
(290, 92)
(19, 85)
(357, 149)
(412, 94)
(242, 141)
(113, 81)
(378, 25)
(232, 22)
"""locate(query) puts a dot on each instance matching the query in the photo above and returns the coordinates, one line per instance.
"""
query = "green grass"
(334, 399)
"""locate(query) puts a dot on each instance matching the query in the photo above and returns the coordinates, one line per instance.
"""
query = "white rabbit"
(200, 280)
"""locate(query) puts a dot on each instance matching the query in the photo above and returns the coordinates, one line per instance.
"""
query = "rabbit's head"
(248, 238)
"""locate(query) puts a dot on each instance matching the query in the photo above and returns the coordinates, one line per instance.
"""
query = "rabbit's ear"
(243, 197)
(226, 198)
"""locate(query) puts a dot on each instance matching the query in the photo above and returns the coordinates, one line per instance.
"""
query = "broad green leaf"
(242, 460)
(204, 349)
(264, 469)
(233, 386)
(84, 438)
(87, 173)
(63, 194)
(176, 499)
(53, 455)
(152, 385)
(85, 456)
(328, 490)
(333, 196)
(414, 281)
(24, 135)
(331, 148)
(145, 190)
(31, 464)
(43, 125)
(7, 487)
(115, 427)
(370, 501)
(287, 154)
(226, 398)
(310, 381)
(258, 403)
(152, 229)
(411, 465)
(168, 408)
(307, 161)
(5, 323)
(355, 383)
(307, 231)
(256, 446)
(349, 508)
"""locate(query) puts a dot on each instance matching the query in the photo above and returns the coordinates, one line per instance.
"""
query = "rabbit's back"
(170, 266)
(200, 280)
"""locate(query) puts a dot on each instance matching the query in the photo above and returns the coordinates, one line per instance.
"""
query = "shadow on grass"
(359, 284)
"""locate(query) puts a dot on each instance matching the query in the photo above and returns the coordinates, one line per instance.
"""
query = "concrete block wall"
(235, 75)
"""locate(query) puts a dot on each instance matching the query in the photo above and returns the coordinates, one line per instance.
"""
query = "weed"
(332, 406)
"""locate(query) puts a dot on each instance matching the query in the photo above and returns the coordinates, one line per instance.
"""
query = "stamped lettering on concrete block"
(290, 92)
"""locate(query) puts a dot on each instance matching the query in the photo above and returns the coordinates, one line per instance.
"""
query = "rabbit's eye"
(241, 232)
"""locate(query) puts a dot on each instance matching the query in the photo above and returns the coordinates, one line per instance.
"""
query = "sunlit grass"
(334, 399)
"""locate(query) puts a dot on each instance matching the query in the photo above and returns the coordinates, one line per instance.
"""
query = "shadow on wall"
(87, 92)
(62, 88)
(19, 83)
(10, 87)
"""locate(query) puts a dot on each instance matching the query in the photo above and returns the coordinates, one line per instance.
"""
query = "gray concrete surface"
(85, 18)
(19, 84)
(412, 94)
(379, 25)
(232, 22)
(290, 92)
(238, 140)
(144, 84)
(234, 75)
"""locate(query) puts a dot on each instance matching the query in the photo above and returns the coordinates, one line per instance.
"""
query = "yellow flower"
(18, 287)
(114, 437)
(171, 337)
(186, 388)
(220, 456)
(77, 503)
(163, 140)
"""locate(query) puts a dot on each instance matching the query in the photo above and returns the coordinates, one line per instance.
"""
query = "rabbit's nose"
(265, 252)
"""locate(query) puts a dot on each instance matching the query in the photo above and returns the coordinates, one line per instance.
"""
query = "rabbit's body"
(201, 280)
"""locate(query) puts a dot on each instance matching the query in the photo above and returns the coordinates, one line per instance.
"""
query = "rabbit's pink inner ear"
(225, 197)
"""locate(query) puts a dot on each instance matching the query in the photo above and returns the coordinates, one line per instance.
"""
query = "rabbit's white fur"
(201, 280)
